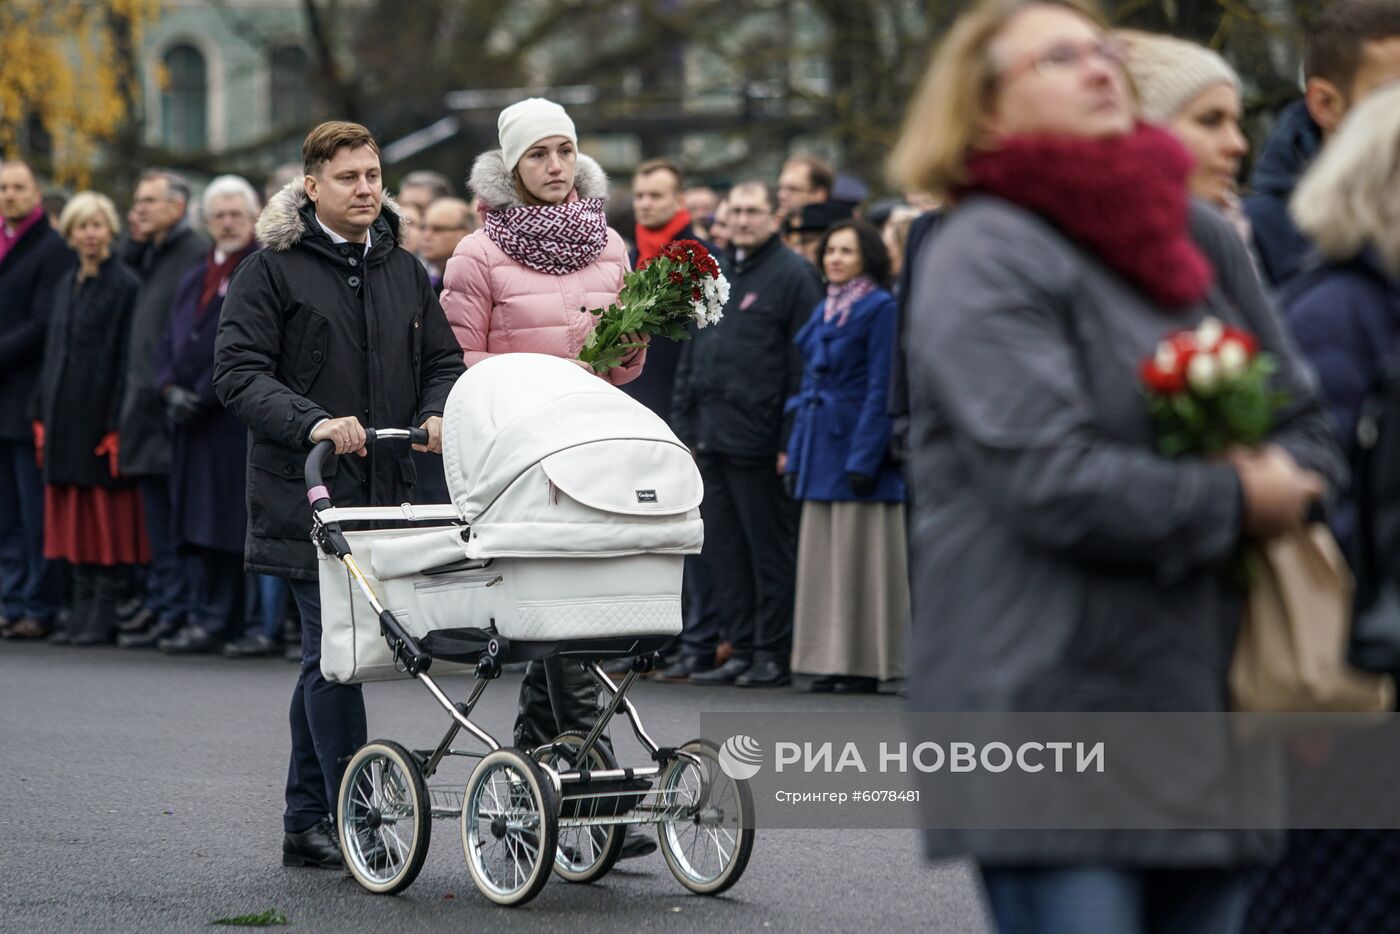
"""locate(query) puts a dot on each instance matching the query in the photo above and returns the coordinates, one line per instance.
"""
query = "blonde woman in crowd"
(1058, 561)
(92, 514)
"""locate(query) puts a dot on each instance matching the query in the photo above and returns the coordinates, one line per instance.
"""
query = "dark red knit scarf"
(1123, 197)
(651, 242)
(216, 274)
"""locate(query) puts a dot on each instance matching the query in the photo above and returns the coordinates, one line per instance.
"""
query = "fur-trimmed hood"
(491, 180)
(282, 223)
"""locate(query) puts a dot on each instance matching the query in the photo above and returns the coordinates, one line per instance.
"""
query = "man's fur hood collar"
(492, 182)
(281, 225)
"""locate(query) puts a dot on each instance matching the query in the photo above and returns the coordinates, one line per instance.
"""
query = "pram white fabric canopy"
(546, 460)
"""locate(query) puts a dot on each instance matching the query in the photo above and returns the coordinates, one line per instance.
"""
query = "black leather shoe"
(315, 846)
(149, 638)
(683, 668)
(857, 686)
(825, 684)
(138, 622)
(255, 645)
(724, 674)
(636, 844)
(768, 674)
(191, 640)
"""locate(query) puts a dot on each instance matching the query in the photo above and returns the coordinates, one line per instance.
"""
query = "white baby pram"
(573, 507)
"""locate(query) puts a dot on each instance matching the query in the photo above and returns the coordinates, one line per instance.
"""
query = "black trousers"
(751, 553)
(701, 631)
(217, 597)
(557, 694)
(328, 724)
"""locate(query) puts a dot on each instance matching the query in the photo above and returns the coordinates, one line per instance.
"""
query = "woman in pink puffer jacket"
(525, 281)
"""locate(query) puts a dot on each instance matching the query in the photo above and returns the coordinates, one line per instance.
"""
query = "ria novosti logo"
(741, 757)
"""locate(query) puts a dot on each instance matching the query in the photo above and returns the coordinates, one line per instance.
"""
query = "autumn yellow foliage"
(58, 63)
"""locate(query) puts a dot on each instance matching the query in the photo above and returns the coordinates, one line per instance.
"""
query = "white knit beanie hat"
(523, 124)
(1170, 73)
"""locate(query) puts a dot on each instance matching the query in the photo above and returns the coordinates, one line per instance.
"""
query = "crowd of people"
(924, 409)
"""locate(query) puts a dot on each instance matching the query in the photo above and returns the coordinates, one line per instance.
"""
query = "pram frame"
(644, 807)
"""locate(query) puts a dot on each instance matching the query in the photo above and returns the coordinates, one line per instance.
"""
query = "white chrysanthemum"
(699, 314)
(1234, 359)
(1203, 373)
(1209, 332)
(1165, 358)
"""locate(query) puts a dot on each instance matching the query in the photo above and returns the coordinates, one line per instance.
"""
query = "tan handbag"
(1292, 649)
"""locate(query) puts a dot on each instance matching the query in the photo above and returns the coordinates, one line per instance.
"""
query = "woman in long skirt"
(852, 608)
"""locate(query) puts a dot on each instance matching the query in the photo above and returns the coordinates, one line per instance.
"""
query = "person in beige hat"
(1195, 93)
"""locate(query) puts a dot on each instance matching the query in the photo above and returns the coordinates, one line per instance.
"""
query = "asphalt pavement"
(144, 793)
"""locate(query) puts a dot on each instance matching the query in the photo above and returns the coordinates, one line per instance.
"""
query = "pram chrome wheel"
(707, 850)
(585, 854)
(383, 817)
(510, 827)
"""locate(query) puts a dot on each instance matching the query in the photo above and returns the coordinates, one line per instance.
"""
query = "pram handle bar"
(316, 491)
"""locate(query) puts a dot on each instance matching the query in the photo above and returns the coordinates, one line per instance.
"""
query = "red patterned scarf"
(1123, 197)
(551, 238)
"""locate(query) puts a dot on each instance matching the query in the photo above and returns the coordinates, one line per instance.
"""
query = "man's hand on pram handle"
(433, 426)
(347, 434)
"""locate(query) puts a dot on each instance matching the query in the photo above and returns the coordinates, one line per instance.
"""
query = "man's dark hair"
(756, 184)
(1334, 45)
(176, 185)
(662, 165)
(874, 258)
(323, 142)
(819, 172)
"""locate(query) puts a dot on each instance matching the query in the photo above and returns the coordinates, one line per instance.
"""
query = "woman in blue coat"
(852, 610)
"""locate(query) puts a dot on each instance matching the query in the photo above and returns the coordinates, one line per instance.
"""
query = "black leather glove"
(181, 405)
(790, 485)
(861, 485)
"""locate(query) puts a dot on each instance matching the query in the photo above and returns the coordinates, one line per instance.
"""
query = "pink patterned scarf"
(551, 238)
(840, 299)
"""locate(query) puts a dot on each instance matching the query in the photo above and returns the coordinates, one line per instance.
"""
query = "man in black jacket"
(34, 260)
(327, 330)
(731, 386)
(171, 248)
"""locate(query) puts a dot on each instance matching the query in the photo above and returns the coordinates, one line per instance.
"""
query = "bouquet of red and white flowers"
(680, 286)
(1208, 391)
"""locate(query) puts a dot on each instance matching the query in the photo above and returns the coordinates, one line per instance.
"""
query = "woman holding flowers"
(1061, 561)
(851, 613)
(525, 283)
(545, 255)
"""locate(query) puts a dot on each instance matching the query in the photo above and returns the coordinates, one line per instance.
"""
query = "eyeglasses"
(434, 228)
(1065, 57)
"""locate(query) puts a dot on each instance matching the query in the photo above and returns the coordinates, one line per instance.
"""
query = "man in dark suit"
(34, 261)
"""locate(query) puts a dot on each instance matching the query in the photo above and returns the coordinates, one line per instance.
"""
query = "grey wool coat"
(1058, 562)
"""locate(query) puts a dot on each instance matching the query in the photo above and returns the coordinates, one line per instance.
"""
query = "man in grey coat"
(171, 248)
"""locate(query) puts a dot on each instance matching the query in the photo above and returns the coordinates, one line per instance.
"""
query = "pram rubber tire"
(367, 813)
(571, 871)
(715, 790)
(530, 800)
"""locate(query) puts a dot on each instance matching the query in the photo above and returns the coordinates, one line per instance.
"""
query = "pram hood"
(543, 460)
